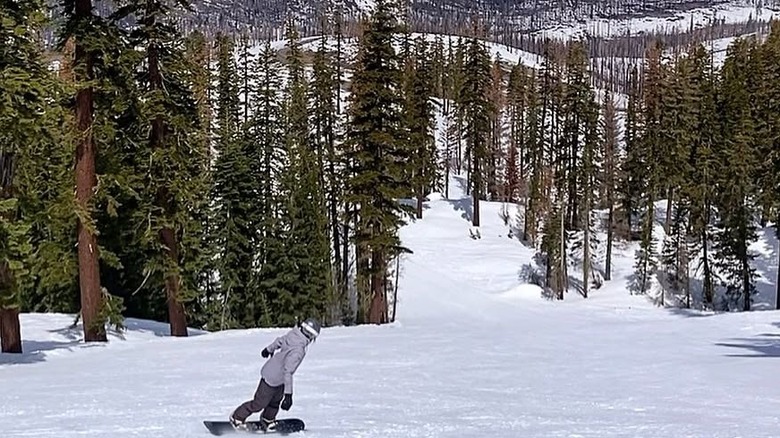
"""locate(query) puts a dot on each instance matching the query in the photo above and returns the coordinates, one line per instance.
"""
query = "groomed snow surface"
(474, 353)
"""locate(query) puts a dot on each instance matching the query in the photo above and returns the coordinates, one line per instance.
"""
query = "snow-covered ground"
(474, 353)
(678, 21)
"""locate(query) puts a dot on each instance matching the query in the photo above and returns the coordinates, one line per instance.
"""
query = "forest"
(160, 172)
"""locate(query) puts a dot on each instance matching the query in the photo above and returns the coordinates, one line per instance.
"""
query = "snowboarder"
(276, 383)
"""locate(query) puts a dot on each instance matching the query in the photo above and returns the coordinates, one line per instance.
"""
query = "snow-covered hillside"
(474, 353)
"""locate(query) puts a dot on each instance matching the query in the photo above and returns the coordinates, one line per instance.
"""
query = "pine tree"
(308, 244)
(175, 186)
(272, 284)
(476, 108)
(534, 148)
(767, 106)
(702, 168)
(100, 78)
(27, 88)
(736, 229)
(234, 218)
(633, 170)
(612, 162)
(646, 157)
(377, 157)
(420, 122)
(324, 121)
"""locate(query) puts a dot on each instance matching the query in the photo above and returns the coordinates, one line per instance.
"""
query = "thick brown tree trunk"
(88, 256)
(10, 329)
(10, 334)
(378, 308)
(176, 314)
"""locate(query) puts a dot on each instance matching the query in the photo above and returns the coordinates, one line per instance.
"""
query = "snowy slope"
(678, 21)
(474, 353)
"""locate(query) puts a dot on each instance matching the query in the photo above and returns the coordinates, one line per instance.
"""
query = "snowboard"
(284, 426)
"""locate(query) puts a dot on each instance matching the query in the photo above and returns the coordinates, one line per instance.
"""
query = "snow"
(677, 21)
(474, 352)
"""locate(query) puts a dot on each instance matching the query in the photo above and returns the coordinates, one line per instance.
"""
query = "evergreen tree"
(702, 167)
(234, 218)
(476, 107)
(633, 170)
(308, 244)
(612, 162)
(324, 131)
(767, 106)
(27, 89)
(103, 108)
(276, 277)
(736, 228)
(175, 184)
(377, 156)
(420, 121)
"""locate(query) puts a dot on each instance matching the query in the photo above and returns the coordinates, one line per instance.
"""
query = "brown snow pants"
(267, 399)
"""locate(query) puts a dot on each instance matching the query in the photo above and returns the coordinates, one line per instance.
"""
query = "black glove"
(266, 353)
(287, 402)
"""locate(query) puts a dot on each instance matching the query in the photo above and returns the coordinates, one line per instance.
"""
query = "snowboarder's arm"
(291, 363)
(275, 345)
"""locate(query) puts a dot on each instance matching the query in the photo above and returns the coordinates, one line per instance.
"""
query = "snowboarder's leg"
(264, 395)
(270, 411)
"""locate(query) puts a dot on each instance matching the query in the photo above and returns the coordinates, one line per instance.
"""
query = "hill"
(474, 351)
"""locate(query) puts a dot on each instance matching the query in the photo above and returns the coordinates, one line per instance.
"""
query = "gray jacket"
(279, 368)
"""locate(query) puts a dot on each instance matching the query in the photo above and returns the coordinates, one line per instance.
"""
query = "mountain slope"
(474, 352)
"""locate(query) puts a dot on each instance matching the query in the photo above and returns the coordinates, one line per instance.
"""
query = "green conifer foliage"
(737, 161)
(476, 108)
(378, 159)
(25, 92)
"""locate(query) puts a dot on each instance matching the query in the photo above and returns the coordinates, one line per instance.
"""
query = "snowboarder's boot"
(267, 425)
(238, 425)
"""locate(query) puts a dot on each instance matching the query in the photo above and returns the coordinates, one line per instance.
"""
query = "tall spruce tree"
(610, 176)
(324, 131)
(308, 245)
(702, 168)
(274, 282)
(101, 75)
(234, 218)
(25, 113)
(476, 107)
(420, 122)
(736, 228)
(377, 161)
(175, 184)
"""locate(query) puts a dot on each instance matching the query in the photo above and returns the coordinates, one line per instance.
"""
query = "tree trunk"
(10, 334)
(88, 256)
(610, 237)
(476, 189)
(10, 331)
(562, 274)
(777, 281)
(420, 199)
(708, 292)
(176, 314)
(586, 255)
(669, 201)
(745, 278)
(376, 313)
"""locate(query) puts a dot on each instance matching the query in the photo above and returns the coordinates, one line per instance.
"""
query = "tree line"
(207, 183)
